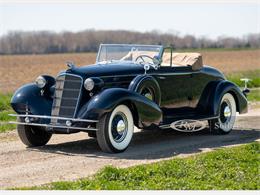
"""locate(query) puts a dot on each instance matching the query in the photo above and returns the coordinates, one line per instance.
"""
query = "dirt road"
(69, 157)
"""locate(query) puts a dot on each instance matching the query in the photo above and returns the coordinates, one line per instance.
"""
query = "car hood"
(96, 70)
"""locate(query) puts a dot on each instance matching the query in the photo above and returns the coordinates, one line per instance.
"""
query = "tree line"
(41, 42)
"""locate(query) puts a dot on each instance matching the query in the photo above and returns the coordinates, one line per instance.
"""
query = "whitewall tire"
(115, 130)
(227, 116)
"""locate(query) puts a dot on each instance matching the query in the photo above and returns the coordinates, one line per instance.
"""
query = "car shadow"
(155, 144)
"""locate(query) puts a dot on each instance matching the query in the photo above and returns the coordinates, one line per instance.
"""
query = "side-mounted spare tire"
(148, 87)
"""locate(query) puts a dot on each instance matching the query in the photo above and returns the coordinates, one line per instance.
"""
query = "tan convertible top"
(185, 59)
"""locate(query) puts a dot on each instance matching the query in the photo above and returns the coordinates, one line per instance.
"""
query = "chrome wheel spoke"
(119, 127)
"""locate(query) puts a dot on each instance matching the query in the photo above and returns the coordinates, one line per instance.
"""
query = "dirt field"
(16, 70)
(69, 157)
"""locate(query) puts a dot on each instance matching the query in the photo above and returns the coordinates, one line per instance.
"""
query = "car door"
(175, 84)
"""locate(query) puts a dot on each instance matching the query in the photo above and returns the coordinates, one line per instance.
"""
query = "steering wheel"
(146, 64)
(142, 58)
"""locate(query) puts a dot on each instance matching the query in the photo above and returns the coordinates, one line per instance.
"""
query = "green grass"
(254, 95)
(253, 75)
(4, 118)
(5, 101)
(234, 168)
(5, 109)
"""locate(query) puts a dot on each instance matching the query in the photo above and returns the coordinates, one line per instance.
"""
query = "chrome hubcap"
(147, 92)
(149, 96)
(227, 112)
(120, 126)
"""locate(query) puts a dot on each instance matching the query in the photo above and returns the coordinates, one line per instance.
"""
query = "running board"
(188, 125)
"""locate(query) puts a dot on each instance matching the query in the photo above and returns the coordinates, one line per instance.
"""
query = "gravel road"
(69, 157)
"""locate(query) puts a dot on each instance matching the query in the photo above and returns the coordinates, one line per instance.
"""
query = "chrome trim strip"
(54, 117)
(150, 74)
(54, 126)
(129, 75)
(173, 73)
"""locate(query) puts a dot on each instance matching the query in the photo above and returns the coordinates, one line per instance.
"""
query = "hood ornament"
(70, 65)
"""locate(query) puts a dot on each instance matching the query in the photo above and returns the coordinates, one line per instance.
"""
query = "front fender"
(29, 96)
(147, 112)
(220, 89)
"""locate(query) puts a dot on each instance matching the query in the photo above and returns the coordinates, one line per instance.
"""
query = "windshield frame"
(129, 45)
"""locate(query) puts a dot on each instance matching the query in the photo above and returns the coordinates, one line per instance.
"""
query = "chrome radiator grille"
(66, 97)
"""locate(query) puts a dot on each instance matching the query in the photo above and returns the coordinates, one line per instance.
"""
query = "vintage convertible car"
(147, 86)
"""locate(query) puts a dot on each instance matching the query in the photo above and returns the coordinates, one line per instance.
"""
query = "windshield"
(127, 53)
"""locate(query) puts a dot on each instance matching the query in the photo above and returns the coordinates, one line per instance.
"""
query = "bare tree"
(37, 42)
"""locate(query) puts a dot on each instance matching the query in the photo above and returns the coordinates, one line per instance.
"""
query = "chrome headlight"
(40, 82)
(89, 84)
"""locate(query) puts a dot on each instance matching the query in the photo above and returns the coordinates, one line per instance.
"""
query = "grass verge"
(5, 109)
(5, 101)
(234, 168)
(253, 75)
(254, 95)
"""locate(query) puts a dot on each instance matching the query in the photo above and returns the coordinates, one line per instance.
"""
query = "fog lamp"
(68, 123)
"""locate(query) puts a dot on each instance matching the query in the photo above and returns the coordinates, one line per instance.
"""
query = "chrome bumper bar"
(54, 117)
(29, 116)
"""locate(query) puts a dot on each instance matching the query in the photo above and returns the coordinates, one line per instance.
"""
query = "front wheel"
(227, 116)
(115, 130)
(33, 136)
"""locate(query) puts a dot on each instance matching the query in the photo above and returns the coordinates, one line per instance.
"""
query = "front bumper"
(32, 120)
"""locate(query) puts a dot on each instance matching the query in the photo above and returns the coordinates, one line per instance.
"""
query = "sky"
(198, 19)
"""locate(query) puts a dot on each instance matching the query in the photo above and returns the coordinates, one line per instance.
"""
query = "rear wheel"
(227, 116)
(33, 136)
(115, 130)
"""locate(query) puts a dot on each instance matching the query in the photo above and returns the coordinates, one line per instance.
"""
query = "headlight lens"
(40, 82)
(89, 84)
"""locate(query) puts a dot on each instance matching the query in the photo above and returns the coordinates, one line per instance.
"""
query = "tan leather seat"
(184, 59)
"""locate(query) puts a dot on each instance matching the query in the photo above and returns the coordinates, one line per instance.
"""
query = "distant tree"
(37, 42)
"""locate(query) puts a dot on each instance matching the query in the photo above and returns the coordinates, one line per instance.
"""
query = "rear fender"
(218, 89)
(144, 110)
